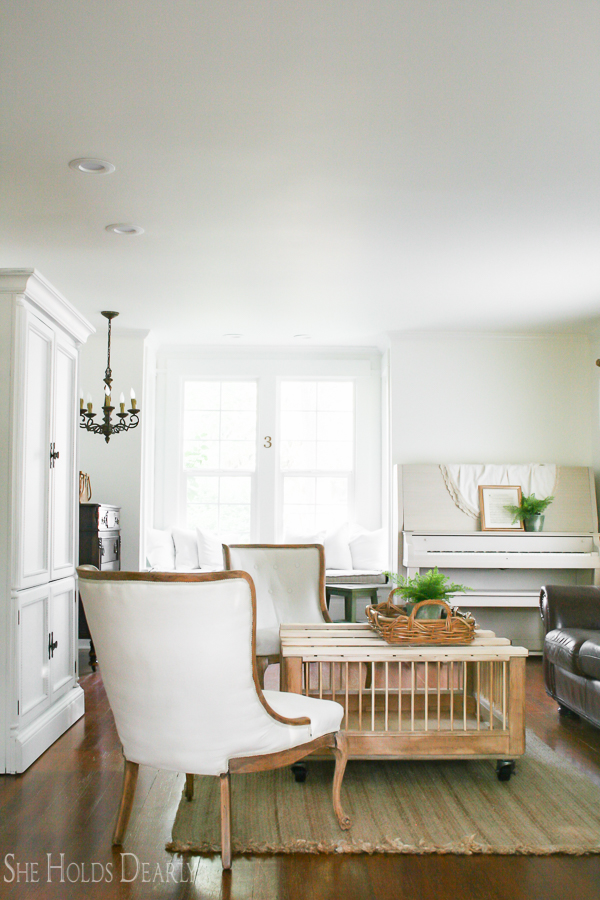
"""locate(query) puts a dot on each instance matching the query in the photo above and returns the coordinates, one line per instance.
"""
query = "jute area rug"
(403, 807)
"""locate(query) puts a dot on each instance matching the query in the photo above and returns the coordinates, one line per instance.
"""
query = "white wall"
(489, 398)
(595, 405)
(115, 469)
(453, 397)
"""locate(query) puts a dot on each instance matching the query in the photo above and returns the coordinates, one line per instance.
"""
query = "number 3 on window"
(267, 442)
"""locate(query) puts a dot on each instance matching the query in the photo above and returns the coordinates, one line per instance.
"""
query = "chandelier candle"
(127, 420)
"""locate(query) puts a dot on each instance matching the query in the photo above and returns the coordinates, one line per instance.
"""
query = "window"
(264, 446)
(316, 454)
(219, 456)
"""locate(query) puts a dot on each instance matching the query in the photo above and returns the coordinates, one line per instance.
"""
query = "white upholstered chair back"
(289, 580)
(176, 658)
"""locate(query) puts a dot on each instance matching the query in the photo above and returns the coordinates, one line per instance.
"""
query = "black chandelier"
(107, 428)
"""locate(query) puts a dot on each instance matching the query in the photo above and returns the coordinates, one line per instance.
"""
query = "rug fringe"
(468, 847)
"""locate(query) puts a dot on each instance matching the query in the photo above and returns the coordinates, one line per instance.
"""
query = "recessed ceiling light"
(90, 166)
(302, 337)
(232, 335)
(125, 228)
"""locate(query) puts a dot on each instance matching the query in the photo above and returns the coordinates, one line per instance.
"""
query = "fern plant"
(530, 506)
(432, 585)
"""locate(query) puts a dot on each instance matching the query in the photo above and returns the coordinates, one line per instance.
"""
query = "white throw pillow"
(316, 538)
(160, 552)
(186, 548)
(337, 549)
(210, 550)
(368, 551)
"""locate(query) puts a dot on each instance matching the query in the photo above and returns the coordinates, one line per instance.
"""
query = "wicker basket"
(395, 627)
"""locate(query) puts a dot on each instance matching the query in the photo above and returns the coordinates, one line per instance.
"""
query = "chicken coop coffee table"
(414, 702)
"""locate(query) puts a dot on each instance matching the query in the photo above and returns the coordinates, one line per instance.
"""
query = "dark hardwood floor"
(66, 804)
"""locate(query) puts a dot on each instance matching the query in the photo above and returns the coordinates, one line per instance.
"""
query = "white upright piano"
(505, 571)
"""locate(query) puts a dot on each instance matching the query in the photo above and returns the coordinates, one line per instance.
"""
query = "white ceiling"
(328, 167)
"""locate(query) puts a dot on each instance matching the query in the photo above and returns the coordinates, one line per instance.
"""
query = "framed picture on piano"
(493, 500)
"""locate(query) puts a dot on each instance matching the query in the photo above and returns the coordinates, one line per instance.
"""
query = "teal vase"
(534, 523)
(429, 612)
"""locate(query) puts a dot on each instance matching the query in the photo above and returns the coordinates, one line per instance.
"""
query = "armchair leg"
(340, 751)
(189, 787)
(262, 664)
(225, 820)
(130, 777)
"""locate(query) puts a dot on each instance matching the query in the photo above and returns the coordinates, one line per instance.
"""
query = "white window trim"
(280, 475)
(186, 473)
(268, 367)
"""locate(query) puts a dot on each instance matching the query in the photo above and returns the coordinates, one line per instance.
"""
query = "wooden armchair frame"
(335, 741)
(263, 662)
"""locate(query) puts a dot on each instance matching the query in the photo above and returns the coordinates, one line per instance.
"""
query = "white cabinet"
(62, 638)
(33, 390)
(32, 663)
(46, 390)
(64, 488)
(40, 335)
(46, 647)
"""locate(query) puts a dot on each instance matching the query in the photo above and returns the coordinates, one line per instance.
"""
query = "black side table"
(100, 546)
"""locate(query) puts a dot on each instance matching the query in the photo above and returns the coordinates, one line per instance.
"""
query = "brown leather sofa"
(571, 617)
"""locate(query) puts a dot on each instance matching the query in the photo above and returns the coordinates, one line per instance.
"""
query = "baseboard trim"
(30, 743)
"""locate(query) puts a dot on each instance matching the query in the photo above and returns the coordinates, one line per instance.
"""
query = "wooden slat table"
(413, 702)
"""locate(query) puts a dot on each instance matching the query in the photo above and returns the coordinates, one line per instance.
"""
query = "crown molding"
(37, 290)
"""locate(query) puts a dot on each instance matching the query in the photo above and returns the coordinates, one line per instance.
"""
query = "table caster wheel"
(504, 769)
(299, 771)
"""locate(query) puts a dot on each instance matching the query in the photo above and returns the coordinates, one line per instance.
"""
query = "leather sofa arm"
(570, 606)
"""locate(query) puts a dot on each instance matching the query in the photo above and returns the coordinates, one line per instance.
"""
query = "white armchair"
(290, 587)
(177, 657)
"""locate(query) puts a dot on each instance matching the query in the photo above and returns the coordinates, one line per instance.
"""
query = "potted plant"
(531, 512)
(431, 585)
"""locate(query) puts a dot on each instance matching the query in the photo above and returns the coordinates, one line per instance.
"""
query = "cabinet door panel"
(62, 629)
(34, 462)
(33, 652)
(62, 534)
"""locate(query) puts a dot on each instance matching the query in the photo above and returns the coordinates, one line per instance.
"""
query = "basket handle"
(391, 594)
(431, 603)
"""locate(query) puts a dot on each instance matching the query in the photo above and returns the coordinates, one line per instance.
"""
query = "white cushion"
(267, 642)
(186, 548)
(368, 551)
(351, 573)
(210, 550)
(325, 715)
(287, 582)
(317, 538)
(337, 549)
(354, 529)
(160, 552)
